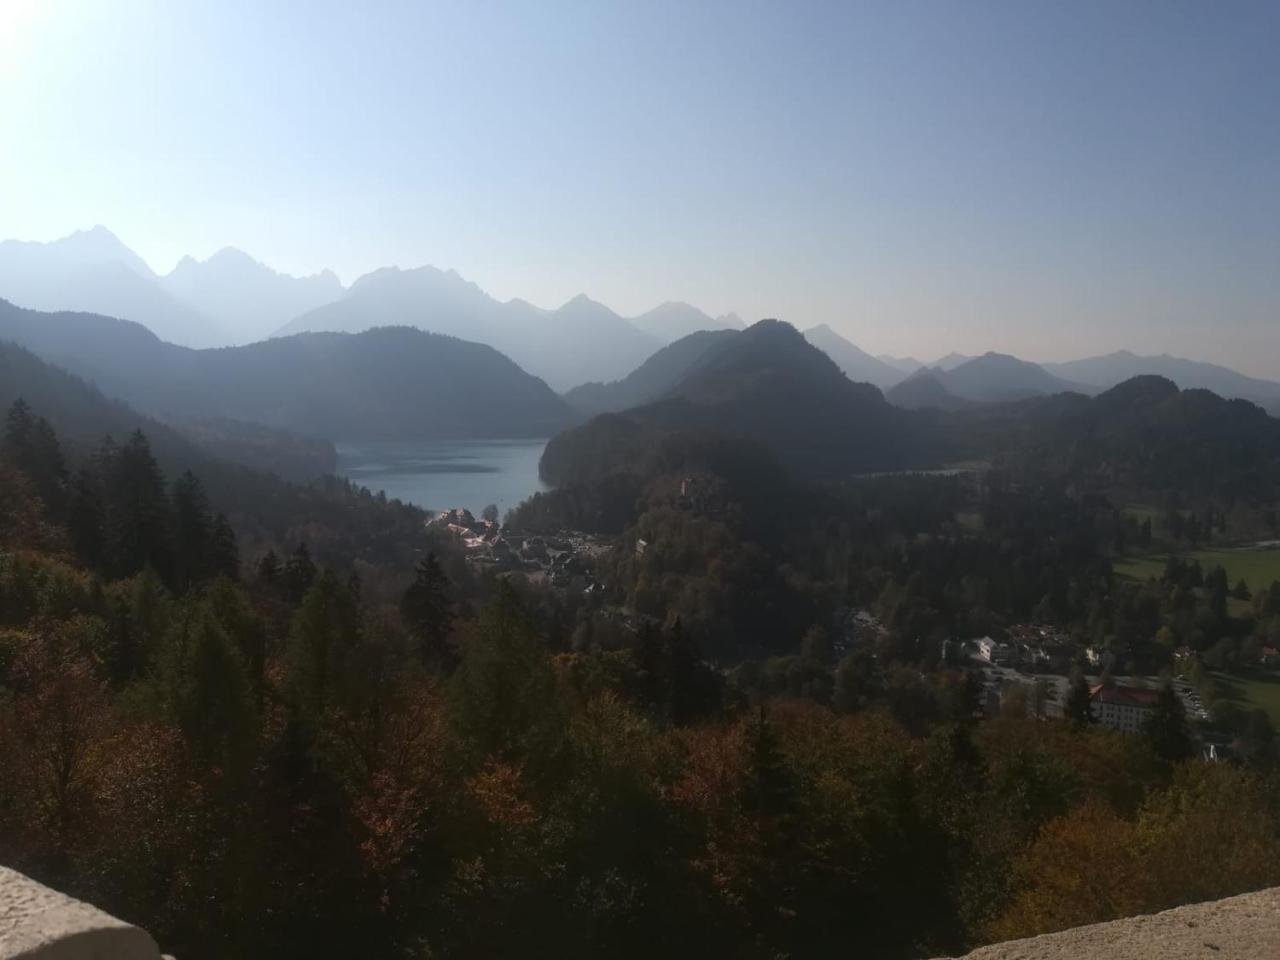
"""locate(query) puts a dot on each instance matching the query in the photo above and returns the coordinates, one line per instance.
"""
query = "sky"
(1046, 179)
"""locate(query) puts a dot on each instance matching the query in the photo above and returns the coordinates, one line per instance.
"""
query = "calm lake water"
(439, 475)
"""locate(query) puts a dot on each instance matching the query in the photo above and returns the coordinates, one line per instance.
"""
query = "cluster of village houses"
(1031, 654)
(566, 560)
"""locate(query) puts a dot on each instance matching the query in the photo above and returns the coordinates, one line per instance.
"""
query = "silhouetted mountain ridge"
(388, 383)
(767, 385)
(856, 363)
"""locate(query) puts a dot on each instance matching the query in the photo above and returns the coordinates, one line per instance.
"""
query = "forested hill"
(388, 383)
(769, 385)
(343, 525)
(1143, 434)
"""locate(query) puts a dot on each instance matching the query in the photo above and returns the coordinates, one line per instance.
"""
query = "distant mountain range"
(93, 271)
(1113, 368)
(857, 364)
(389, 383)
(906, 365)
(672, 320)
(246, 299)
(581, 340)
(990, 378)
(230, 298)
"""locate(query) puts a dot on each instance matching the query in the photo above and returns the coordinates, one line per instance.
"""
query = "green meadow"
(1250, 690)
(1256, 566)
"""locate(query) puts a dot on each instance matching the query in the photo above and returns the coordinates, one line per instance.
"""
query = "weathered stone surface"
(37, 923)
(1239, 928)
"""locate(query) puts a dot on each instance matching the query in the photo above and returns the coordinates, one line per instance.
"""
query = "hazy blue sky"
(1046, 179)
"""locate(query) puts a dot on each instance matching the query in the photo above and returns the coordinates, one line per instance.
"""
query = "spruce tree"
(192, 532)
(138, 512)
(1078, 707)
(30, 445)
(86, 516)
(427, 609)
(268, 570)
(299, 573)
(1166, 730)
(224, 552)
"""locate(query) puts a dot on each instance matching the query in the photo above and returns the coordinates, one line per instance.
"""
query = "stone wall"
(37, 923)
(1239, 928)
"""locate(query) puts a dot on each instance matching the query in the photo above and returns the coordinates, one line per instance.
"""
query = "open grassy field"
(1252, 690)
(1256, 566)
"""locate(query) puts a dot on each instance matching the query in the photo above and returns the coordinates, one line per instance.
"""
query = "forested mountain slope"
(770, 386)
(342, 523)
(390, 383)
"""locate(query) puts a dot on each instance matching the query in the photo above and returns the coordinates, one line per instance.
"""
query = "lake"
(439, 475)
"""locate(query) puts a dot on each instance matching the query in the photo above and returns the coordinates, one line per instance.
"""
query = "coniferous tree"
(678, 684)
(324, 631)
(768, 787)
(138, 518)
(268, 569)
(86, 516)
(427, 609)
(1166, 730)
(299, 573)
(123, 654)
(192, 532)
(503, 692)
(30, 445)
(1078, 707)
(224, 552)
(211, 694)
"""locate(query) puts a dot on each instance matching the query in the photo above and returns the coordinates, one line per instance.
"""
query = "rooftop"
(1125, 696)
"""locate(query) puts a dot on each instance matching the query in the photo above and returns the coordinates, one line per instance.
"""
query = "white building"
(993, 651)
(1123, 708)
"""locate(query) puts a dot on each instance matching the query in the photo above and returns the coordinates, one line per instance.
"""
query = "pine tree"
(192, 532)
(324, 630)
(211, 695)
(85, 517)
(428, 611)
(30, 445)
(299, 574)
(224, 552)
(123, 654)
(1166, 730)
(268, 570)
(769, 791)
(138, 512)
(1078, 707)
(503, 691)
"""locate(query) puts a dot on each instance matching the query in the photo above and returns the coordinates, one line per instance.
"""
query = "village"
(566, 560)
(1030, 669)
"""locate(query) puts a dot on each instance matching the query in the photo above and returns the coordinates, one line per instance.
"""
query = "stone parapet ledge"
(1238, 928)
(37, 923)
